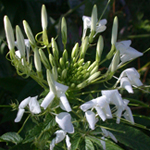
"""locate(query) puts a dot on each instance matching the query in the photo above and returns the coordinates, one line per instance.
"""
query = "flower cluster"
(67, 76)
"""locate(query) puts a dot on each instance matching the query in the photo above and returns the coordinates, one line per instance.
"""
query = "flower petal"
(64, 104)
(128, 115)
(34, 105)
(60, 135)
(64, 121)
(61, 87)
(47, 100)
(103, 143)
(126, 84)
(24, 103)
(19, 115)
(90, 117)
(100, 113)
(68, 142)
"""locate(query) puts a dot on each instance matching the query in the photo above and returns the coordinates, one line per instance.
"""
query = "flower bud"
(44, 17)
(52, 60)
(20, 41)
(64, 31)
(93, 76)
(28, 32)
(44, 59)
(54, 72)
(64, 74)
(65, 56)
(37, 60)
(55, 49)
(84, 47)
(9, 33)
(80, 62)
(95, 69)
(75, 51)
(92, 66)
(94, 18)
(50, 80)
(114, 31)
(115, 61)
(62, 63)
(99, 48)
(82, 85)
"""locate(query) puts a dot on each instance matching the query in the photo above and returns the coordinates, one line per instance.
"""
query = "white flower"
(60, 135)
(100, 27)
(114, 97)
(60, 93)
(127, 53)
(129, 77)
(102, 107)
(64, 121)
(34, 107)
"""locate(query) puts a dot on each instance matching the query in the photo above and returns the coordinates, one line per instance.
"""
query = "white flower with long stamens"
(33, 107)
(60, 93)
(114, 97)
(60, 135)
(102, 107)
(129, 77)
(127, 53)
(64, 121)
(100, 27)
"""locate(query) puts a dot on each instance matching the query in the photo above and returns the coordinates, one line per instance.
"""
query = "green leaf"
(88, 144)
(111, 145)
(132, 137)
(75, 143)
(11, 137)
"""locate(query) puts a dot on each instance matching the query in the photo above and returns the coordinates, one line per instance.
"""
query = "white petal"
(107, 112)
(102, 101)
(102, 22)
(61, 87)
(64, 121)
(126, 84)
(124, 44)
(118, 114)
(112, 136)
(105, 132)
(103, 143)
(34, 105)
(24, 103)
(100, 113)
(60, 135)
(90, 117)
(19, 115)
(68, 142)
(52, 145)
(100, 29)
(88, 105)
(128, 115)
(18, 54)
(47, 100)
(86, 22)
(64, 104)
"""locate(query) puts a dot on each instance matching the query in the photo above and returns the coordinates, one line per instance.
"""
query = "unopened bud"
(64, 31)
(114, 31)
(44, 59)
(92, 66)
(62, 63)
(9, 33)
(115, 61)
(51, 82)
(94, 18)
(64, 74)
(29, 33)
(65, 56)
(20, 41)
(80, 62)
(84, 47)
(55, 49)
(99, 48)
(44, 17)
(37, 60)
(93, 76)
(54, 72)
(95, 69)
(52, 60)
(75, 51)
(82, 85)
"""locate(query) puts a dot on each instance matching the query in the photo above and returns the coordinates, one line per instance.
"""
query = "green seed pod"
(44, 59)
(75, 51)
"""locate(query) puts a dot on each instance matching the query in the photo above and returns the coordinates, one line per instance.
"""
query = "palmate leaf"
(12, 137)
(132, 137)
